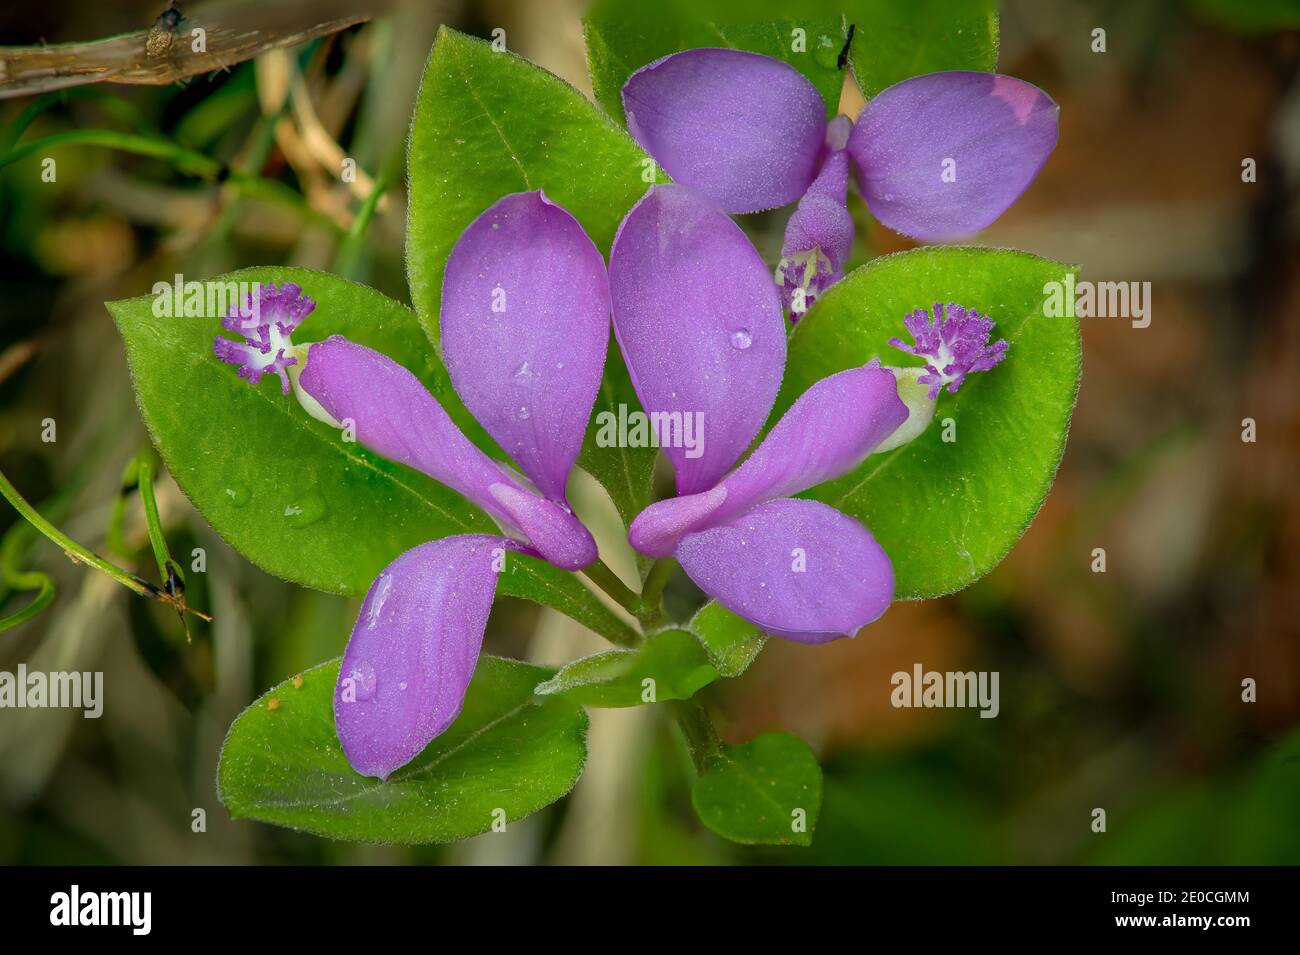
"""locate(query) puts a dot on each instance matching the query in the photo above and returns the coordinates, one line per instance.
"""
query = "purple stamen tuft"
(955, 343)
(266, 318)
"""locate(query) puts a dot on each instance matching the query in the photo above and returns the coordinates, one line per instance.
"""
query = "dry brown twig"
(234, 31)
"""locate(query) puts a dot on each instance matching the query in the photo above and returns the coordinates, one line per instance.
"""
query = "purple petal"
(819, 235)
(827, 432)
(941, 156)
(391, 413)
(525, 326)
(414, 649)
(554, 530)
(794, 568)
(700, 325)
(657, 529)
(743, 129)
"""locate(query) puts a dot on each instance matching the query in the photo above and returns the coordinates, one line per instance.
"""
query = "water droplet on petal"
(524, 374)
(523, 413)
(377, 600)
(402, 685)
(741, 339)
(364, 681)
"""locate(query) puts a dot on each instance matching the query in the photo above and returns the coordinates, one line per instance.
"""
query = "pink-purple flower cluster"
(527, 305)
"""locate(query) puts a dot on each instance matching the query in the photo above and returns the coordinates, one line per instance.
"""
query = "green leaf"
(626, 473)
(672, 659)
(623, 37)
(488, 124)
(508, 750)
(1263, 815)
(948, 512)
(894, 41)
(767, 791)
(284, 489)
(731, 642)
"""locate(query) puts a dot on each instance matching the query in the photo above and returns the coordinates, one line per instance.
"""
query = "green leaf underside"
(623, 37)
(673, 659)
(731, 642)
(490, 124)
(894, 41)
(751, 792)
(284, 489)
(508, 750)
(948, 512)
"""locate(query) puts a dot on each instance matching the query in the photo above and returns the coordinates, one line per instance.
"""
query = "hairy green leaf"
(671, 665)
(948, 506)
(767, 791)
(893, 41)
(508, 752)
(731, 643)
(287, 491)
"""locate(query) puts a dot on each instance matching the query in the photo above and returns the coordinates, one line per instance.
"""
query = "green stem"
(80, 554)
(169, 572)
(652, 611)
(161, 555)
(16, 579)
(701, 738)
(185, 160)
(345, 260)
(115, 106)
(608, 581)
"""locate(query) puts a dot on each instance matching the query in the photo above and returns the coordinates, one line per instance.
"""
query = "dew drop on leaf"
(306, 510)
(827, 53)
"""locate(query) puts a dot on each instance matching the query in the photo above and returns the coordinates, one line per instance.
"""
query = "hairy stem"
(652, 592)
(608, 581)
(701, 738)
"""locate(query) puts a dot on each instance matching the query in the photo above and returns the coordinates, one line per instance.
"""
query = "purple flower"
(954, 344)
(525, 326)
(819, 235)
(266, 318)
(937, 157)
(795, 568)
